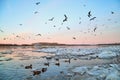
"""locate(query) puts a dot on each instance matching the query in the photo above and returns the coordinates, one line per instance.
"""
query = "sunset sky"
(22, 21)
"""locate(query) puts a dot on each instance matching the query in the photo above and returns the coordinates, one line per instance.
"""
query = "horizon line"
(55, 43)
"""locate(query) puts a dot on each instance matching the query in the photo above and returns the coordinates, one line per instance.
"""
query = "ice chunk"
(107, 54)
(98, 71)
(115, 66)
(5, 59)
(47, 50)
(90, 78)
(1, 55)
(113, 76)
(80, 70)
(69, 75)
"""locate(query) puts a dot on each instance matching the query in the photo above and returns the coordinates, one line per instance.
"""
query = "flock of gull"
(89, 15)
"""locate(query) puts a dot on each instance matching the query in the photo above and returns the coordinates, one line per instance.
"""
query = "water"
(23, 56)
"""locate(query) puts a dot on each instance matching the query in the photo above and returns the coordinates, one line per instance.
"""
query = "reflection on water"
(24, 56)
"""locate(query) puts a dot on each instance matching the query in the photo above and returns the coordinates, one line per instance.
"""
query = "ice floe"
(5, 59)
(102, 72)
(80, 70)
(107, 54)
(101, 52)
(113, 76)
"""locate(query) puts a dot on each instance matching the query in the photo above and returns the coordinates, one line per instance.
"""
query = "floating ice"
(1, 55)
(100, 52)
(107, 54)
(97, 71)
(113, 76)
(80, 70)
(47, 50)
(102, 72)
(5, 59)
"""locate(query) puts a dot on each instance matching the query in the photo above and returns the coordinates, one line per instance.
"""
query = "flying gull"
(74, 38)
(80, 22)
(112, 12)
(38, 35)
(89, 14)
(92, 18)
(95, 29)
(68, 28)
(54, 26)
(4, 38)
(65, 18)
(37, 3)
(35, 12)
(20, 24)
(17, 36)
(1, 30)
(51, 19)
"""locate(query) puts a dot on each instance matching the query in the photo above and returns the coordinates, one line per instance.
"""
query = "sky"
(24, 22)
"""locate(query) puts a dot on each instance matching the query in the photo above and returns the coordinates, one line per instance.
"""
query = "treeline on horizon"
(56, 44)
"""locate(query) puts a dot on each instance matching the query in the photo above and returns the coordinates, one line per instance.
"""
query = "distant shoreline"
(57, 44)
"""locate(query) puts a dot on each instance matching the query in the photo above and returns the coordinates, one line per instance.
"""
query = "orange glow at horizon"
(25, 38)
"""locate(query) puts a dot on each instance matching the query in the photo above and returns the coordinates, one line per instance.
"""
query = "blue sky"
(15, 12)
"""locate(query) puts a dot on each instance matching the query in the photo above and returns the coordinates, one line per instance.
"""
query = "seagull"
(94, 34)
(89, 14)
(38, 35)
(79, 18)
(61, 23)
(17, 36)
(65, 18)
(51, 19)
(37, 3)
(4, 38)
(80, 22)
(20, 24)
(95, 29)
(115, 21)
(35, 12)
(109, 19)
(84, 5)
(54, 26)
(59, 28)
(1, 30)
(68, 28)
(112, 12)
(92, 18)
(74, 38)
